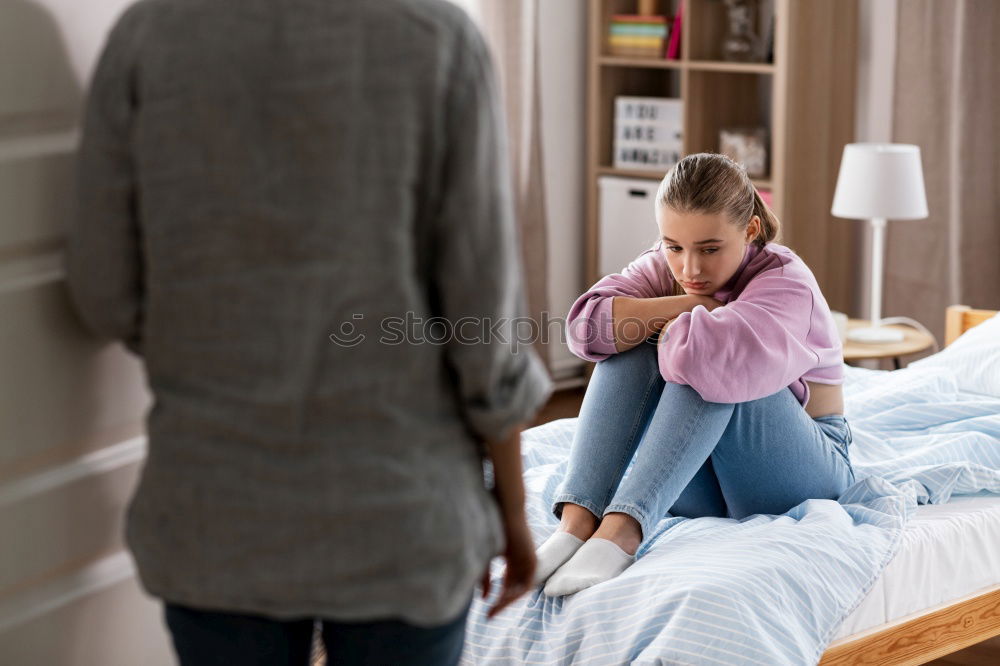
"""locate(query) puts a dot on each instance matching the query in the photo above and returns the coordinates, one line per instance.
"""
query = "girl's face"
(703, 250)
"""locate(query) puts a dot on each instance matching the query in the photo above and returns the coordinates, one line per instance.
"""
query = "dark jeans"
(208, 638)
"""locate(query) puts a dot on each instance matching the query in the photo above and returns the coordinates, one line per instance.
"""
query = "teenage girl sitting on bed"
(720, 372)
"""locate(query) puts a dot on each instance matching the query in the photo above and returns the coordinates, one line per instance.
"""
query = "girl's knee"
(681, 388)
(772, 404)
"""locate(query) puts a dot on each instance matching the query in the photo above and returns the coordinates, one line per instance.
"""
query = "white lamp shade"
(880, 180)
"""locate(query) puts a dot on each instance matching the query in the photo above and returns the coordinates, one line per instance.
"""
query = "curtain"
(947, 101)
(511, 30)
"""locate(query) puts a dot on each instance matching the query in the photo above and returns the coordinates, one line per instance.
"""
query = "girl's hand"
(662, 336)
(707, 301)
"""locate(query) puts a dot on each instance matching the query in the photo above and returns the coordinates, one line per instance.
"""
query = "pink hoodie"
(775, 329)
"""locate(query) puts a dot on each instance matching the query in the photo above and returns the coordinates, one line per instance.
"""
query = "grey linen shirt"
(262, 184)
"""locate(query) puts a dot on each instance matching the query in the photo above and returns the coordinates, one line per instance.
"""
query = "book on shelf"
(766, 196)
(674, 47)
(637, 35)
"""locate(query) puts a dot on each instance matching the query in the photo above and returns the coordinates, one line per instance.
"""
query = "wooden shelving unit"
(805, 99)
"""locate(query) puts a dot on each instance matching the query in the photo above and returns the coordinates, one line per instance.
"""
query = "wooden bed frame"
(938, 631)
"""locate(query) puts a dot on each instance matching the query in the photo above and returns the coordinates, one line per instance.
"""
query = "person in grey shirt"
(270, 193)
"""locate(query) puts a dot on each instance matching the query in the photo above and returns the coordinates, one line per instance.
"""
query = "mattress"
(948, 551)
(768, 590)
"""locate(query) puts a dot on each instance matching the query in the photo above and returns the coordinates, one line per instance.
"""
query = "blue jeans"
(203, 638)
(695, 458)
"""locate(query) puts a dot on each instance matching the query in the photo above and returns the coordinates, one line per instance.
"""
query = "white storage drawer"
(626, 221)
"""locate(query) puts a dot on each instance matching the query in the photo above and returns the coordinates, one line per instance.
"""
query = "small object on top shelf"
(674, 47)
(648, 133)
(741, 43)
(637, 35)
(647, 7)
(748, 146)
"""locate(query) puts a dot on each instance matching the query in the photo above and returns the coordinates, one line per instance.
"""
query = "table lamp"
(877, 182)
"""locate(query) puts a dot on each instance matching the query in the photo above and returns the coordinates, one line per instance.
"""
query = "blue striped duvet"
(768, 589)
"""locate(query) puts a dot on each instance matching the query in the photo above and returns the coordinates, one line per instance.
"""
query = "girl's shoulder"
(777, 265)
(774, 256)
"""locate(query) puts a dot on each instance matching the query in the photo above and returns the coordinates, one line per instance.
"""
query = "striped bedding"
(767, 589)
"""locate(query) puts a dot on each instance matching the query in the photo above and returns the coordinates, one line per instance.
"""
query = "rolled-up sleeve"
(476, 267)
(590, 330)
(103, 257)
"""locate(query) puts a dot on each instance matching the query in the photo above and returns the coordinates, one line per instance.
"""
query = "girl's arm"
(635, 319)
(752, 348)
(591, 323)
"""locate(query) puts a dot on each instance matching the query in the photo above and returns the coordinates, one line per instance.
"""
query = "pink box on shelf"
(766, 196)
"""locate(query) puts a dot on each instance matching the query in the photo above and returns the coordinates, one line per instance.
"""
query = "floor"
(562, 405)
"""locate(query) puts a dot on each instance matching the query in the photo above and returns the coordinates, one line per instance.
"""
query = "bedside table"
(913, 341)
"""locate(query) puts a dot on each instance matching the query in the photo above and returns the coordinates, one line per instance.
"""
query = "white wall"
(70, 407)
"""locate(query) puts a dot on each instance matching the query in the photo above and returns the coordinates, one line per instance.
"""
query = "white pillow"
(974, 358)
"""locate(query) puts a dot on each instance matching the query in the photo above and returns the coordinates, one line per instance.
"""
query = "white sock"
(596, 561)
(553, 553)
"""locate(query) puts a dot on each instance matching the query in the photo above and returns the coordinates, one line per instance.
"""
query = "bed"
(902, 569)
(945, 620)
